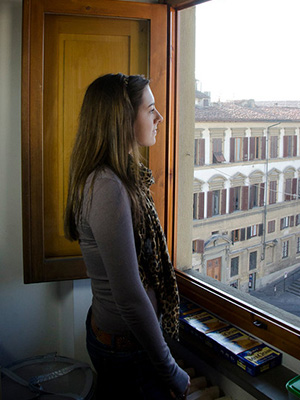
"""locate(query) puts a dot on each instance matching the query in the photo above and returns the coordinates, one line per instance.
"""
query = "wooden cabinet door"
(77, 51)
(66, 45)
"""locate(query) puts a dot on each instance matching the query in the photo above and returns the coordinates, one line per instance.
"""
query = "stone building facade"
(246, 195)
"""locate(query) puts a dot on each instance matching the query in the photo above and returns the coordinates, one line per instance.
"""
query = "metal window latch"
(260, 324)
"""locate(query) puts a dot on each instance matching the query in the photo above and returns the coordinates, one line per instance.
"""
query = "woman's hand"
(182, 396)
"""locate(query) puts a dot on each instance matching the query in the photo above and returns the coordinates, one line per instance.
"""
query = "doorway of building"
(213, 268)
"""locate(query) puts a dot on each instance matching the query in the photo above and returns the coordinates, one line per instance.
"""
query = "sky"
(248, 49)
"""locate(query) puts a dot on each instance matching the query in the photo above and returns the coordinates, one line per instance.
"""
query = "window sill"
(242, 310)
(268, 385)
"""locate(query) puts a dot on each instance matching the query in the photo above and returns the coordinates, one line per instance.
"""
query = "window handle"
(260, 324)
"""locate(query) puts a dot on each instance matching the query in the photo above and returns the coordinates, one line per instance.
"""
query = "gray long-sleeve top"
(120, 302)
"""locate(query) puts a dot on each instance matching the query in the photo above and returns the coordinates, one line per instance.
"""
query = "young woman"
(111, 212)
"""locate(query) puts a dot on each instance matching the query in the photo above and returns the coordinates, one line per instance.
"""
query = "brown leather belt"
(116, 342)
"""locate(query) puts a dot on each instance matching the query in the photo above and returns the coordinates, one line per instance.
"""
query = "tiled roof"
(243, 111)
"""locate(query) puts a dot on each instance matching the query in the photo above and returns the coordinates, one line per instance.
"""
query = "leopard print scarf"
(155, 267)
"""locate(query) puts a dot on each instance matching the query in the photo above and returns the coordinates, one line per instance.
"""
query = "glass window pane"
(239, 112)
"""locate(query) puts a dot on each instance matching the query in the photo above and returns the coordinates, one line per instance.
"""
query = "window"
(284, 222)
(285, 249)
(217, 155)
(235, 199)
(235, 235)
(289, 146)
(272, 192)
(216, 202)
(198, 246)
(288, 189)
(236, 150)
(254, 230)
(253, 200)
(250, 142)
(234, 269)
(271, 226)
(257, 148)
(298, 244)
(252, 260)
(273, 146)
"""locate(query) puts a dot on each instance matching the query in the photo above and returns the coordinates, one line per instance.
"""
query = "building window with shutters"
(254, 196)
(284, 223)
(290, 146)
(198, 246)
(238, 235)
(217, 151)
(290, 189)
(271, 226)
(254, 230)
(236, 149)
(257, 148)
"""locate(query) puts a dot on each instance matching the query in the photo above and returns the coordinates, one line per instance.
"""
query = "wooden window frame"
(237, 311)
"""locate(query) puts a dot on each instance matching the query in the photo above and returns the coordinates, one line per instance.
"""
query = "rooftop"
(249, 110)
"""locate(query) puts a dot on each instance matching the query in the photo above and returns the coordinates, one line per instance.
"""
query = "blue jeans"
(128, 375)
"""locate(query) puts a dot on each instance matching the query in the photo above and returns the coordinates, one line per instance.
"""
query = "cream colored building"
(246, 196)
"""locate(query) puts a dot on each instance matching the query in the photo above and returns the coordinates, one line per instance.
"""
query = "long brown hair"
(105, 137)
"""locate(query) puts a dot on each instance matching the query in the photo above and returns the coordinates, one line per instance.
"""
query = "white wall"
(38, 318)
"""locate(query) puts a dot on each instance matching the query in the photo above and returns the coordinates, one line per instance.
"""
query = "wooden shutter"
(288, 189)
(231, 200)
(201, 151)
(232, 145)
(248, 232)
(285, 146)
(262, 194)
(294, 188)
(199, 246)
(243, 234)
(209, 204)
(201, 205)
(223, 201)
(295, 146)
(263, 148)
(272, 192)
(245, 191)
(44, 152)
(252, 148)
(245, 149)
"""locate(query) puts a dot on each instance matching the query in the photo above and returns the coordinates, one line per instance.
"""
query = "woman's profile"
(111, 212)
